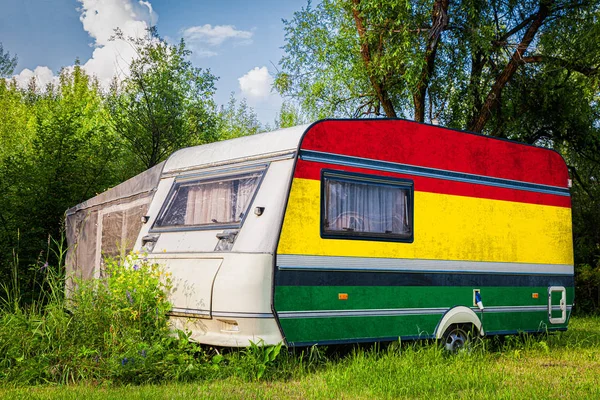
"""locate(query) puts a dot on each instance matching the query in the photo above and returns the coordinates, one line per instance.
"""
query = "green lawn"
(565, 365)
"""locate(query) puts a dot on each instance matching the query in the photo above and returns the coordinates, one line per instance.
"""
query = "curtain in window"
(245, 190)
(209, 203)
(364, 207)
(219, 202)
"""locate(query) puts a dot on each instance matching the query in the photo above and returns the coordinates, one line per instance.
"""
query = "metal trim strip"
(401, 312)
(176, 311)
(241, 314)
(242, 162)
(349, 161)
(370, 264)
(361, 313)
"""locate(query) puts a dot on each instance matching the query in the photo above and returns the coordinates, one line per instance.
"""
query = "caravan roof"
(239, 149)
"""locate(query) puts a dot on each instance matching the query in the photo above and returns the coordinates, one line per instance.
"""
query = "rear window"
(210, 203)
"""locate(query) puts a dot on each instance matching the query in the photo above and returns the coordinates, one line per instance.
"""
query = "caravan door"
(193, 279)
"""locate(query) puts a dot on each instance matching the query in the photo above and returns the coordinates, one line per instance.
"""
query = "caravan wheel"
(457, 337)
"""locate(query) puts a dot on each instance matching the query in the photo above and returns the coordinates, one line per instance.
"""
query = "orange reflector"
(535, 295)
(342, 296)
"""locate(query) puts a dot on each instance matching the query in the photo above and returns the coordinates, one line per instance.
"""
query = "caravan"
(347, 231)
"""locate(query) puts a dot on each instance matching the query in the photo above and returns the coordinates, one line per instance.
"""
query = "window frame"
(354, 177)
(208, 177)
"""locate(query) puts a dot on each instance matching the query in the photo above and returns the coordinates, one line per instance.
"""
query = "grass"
(114, 342)
(565, 365)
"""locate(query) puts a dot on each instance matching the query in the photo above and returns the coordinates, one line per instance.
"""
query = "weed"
(110, 329)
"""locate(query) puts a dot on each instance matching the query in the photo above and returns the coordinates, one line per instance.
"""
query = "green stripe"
(315, 330)
(526, 321)
(352, 328)
(311, 298)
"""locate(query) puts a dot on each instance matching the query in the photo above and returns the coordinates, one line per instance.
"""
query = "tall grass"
(110, 329)
(115, 330)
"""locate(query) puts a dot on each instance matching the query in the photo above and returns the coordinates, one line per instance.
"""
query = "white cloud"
(215, 36)
(256, 86)
(203, 53)
(200, 38)
(43, 76)
(100, 18)
(256, 83)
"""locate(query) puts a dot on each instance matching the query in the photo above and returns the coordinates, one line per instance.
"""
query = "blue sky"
(240, 41)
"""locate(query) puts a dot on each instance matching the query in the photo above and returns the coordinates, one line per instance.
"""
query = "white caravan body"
(222, 272)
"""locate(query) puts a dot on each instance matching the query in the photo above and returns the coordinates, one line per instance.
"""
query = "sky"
(240, 41)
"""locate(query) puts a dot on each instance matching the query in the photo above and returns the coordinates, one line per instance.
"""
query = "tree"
(237, 119)
(7, 64)
(289, 115)
(66, 153)
(164, 103)
(431, 59)
(17, 129)
(524, 70)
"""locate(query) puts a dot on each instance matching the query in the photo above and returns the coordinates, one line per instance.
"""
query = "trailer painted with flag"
(359, 230)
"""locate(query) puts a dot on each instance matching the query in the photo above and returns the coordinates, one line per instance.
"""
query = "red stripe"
(312, 170)
(411, 143)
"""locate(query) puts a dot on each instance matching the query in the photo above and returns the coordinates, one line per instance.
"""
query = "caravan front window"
(209, 202)
(357, 206)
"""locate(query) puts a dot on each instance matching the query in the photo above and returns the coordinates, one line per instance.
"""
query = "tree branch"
(491, 101)
(439, 23)
(582, 69)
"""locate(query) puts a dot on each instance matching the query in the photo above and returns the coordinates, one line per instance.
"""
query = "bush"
(111, 329)
(587, 288)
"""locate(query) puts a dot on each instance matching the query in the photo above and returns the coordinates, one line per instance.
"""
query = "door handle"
(148, 242)
(149, 239)
(227, 235)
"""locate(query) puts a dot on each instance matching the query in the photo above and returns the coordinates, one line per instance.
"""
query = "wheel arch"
(458, 315)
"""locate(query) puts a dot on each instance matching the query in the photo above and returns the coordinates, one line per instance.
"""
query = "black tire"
(458, 337)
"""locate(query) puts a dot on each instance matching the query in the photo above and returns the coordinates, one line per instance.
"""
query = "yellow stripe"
(446, 228)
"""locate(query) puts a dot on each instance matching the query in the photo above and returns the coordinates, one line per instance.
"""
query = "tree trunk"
(477, 64)
(439, 23)
(365, 52)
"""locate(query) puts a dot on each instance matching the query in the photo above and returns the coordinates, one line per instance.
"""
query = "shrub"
(587, 288)
(114, 328)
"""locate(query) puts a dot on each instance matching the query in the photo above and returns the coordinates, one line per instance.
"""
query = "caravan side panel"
(486, 214)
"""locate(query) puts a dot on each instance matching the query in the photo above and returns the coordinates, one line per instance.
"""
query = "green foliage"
(237, 120)
(289, 115)
(129, 300)
(164, 104)
(562, 365)
(322, 67)
(7, 63)
(65, 143)
(587, 284)
(260, 358)
(446, 57)
(113, 328)
(57, 149)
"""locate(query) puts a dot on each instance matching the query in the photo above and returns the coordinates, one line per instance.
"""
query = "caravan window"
(356, 206)
(210, 202)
